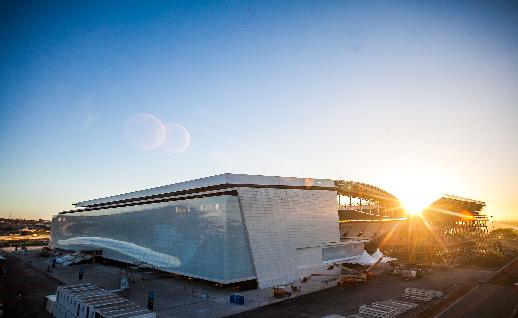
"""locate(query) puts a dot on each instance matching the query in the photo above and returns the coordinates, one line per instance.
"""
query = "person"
(150, 300)
(19, 299)
(54, 262)
(81, 273)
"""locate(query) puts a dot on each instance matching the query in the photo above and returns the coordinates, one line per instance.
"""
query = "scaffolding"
(447, 228)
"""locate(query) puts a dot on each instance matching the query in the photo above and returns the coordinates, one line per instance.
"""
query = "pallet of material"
(378, 311)
(415, 297)
(399, 306)
(423, 292)
(402, 306)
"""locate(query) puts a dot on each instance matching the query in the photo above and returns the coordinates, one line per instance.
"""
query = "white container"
(50, 301)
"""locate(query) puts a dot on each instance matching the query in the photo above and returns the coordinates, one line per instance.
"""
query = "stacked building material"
(384, 309)
(74, 258)
(398, 305)
(393, 307)
(379, 311)
(421, 294)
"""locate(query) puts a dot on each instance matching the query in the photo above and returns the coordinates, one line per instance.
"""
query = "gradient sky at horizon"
(398, 94)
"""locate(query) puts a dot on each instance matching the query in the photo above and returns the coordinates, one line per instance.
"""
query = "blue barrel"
(232, 298)
(240, 299)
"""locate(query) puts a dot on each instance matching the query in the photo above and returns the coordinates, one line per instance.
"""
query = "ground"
(177, 297)
(346, 300)
(174, 296)
(496, 298)
(31, 283)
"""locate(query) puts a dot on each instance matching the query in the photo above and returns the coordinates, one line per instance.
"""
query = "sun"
(414, 204)
(416, 188)
(416, 197)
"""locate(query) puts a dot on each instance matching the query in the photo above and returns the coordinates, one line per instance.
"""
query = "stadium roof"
(209, 183)
(228, 180)
(366, 191)
(456, 203)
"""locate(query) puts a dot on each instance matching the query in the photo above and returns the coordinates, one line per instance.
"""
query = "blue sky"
(417, 98)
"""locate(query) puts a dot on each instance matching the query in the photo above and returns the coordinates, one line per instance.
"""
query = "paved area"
(174, 296)
(346, 300)
(497, 298)
(483, 301)
(180, 297)
(33, 286)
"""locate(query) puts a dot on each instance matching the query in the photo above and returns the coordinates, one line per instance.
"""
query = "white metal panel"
(226, 178)
(180, 186)
(278, 221)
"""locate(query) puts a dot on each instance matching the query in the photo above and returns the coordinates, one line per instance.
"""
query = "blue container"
(232, 298)
(240, 299)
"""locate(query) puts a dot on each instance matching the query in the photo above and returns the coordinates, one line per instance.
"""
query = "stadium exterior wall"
(226, 228)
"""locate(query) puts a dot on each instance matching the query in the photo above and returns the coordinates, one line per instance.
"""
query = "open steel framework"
(373, 203)
(455, 216)
(444, 229)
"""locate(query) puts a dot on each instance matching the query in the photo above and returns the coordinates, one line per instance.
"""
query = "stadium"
(226, 228)
(448, 227)
(233, 228)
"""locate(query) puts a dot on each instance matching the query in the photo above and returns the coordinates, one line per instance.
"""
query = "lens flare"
(416, 187)
(177, 138)
(145, 131)
(414, 203)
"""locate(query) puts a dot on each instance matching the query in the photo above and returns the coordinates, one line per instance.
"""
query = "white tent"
(386, 259)
(377, 254)
(365, 259)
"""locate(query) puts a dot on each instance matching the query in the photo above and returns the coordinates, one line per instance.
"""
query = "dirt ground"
(33, 285)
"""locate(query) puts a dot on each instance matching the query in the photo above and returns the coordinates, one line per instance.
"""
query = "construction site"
(256, 246)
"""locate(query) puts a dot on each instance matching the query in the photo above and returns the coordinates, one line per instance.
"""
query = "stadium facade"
(226, 228)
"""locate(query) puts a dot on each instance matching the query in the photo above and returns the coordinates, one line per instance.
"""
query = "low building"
(226, 228)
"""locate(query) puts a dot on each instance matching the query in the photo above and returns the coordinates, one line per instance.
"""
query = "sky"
(105, 97)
